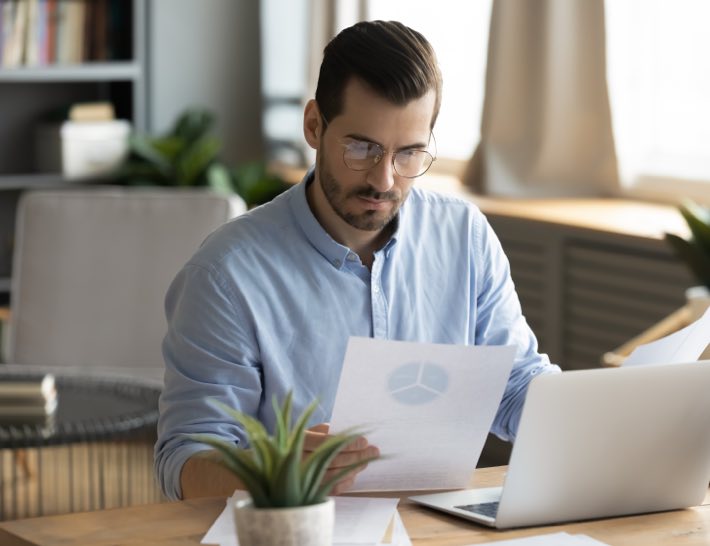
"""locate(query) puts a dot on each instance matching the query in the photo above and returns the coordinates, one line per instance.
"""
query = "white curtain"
(546, 127)
(659, 86)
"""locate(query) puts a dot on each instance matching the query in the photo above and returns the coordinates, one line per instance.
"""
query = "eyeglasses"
(361, 155)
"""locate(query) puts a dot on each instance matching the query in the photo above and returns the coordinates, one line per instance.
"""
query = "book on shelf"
(44, 32)
(27, 400)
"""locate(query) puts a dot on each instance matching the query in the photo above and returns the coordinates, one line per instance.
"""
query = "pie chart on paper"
(416, 383)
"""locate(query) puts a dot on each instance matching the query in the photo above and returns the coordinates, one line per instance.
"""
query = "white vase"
(698, 298)
(300, 526)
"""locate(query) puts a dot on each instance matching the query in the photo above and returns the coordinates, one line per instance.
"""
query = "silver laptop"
(600, 443)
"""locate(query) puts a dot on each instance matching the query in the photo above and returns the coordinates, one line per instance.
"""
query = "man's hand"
(358, 450)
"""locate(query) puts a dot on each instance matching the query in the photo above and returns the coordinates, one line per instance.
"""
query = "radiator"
(585, 292)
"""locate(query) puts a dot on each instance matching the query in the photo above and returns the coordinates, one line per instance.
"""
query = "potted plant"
(188, 156)
(289, 504)
(695, 252)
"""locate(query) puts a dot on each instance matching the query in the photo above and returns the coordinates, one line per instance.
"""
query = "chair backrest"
(91, 268)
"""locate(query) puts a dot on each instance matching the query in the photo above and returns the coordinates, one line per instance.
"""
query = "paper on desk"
(427, 407)
(554, 539)
(685, 345)
(358, 521)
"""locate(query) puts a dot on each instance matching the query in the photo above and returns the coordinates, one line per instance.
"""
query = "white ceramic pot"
(301, 526)
(698, 298)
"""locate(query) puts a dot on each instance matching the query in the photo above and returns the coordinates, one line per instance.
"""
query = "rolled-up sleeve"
(209, 352)
(500, 321)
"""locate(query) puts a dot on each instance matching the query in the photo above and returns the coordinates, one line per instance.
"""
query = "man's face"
(369, 199)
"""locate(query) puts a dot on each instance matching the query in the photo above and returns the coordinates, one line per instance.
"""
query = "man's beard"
(370, 220)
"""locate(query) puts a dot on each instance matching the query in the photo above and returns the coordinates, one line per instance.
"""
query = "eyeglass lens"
(360, 156)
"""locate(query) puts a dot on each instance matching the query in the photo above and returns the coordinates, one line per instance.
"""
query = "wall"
(200, 56)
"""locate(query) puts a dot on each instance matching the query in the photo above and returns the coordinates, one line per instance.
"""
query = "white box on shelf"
(93, 147)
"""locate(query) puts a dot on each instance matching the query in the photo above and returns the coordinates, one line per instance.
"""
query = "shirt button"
(351, 257)
(337, 263)
(376, 289)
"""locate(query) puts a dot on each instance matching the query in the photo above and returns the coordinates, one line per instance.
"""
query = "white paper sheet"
(685, 345)
(554, 539)
(427, 407)
(359, 521)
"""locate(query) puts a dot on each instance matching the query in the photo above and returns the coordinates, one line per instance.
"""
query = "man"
(269, 301)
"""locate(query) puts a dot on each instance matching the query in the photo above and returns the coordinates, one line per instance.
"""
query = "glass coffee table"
(95, 452)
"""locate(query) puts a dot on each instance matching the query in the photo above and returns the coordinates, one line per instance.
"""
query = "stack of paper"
(24, 400)
(359, 521)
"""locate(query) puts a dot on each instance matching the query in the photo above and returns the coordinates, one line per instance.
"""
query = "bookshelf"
(87, 72)
(178, 54)
(45, 79)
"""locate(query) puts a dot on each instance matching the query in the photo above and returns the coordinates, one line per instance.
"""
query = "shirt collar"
(331, 250)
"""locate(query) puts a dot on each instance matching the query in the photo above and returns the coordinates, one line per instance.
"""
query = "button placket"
(379, 305)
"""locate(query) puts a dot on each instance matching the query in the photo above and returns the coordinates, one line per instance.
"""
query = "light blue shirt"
(267, 305)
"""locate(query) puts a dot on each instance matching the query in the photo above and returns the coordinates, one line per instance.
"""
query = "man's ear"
(312, 124)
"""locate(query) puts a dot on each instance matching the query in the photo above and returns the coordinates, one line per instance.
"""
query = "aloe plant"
(694, 251)
(274, 470)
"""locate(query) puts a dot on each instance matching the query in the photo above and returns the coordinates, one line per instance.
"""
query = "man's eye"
(362, 150)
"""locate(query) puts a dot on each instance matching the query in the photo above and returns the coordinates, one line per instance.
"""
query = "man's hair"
(395, 61)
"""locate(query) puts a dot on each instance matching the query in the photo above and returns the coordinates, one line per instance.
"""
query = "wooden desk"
(185, 523)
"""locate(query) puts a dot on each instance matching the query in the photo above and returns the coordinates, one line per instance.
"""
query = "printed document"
(683, 346)
(427, 407)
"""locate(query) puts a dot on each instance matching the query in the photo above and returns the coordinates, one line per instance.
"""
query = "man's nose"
(381, 176)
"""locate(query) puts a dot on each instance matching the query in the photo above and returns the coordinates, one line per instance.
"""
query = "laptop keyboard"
(489, 509)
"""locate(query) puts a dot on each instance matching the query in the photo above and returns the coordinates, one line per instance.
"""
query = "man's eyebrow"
(363, 138)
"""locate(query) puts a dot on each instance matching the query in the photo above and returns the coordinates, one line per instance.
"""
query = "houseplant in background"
(289, 504)
(695, 252)
(188, 156)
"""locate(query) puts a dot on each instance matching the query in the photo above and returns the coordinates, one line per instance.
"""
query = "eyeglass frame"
(385, 152)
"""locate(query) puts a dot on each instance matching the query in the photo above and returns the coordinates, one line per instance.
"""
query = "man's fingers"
(350, 475)
(346, 458)
(313, 439)
(343, 486)
(318, 434)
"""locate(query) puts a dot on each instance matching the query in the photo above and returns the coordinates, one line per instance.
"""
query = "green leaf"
(298, 435)
(273, 469)
(264, 452)
(255, 184)
(195, 159)
(695, 257)
(218, 179)
(143, 147)
(283, 421)
(286, 483)
(237, 460)
(697, 219)
(193, 124)
(316, 464)
(323, 490)
(169, 147)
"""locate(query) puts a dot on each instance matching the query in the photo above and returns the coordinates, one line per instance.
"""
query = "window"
(284, 43)
(457, 30)
(659, 89)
